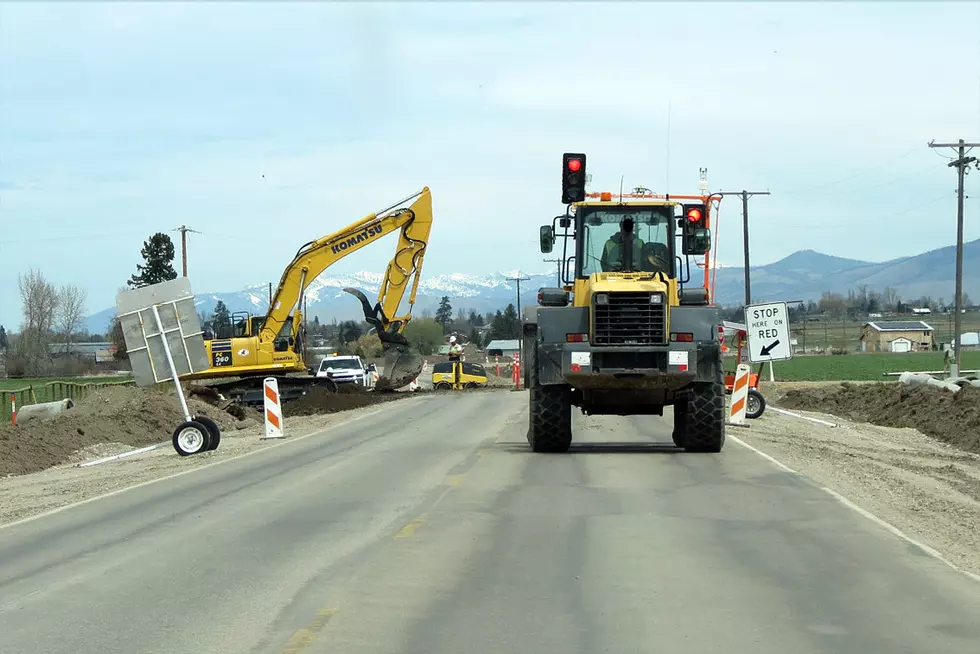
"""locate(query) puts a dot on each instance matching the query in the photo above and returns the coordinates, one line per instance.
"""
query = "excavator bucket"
(402, 365)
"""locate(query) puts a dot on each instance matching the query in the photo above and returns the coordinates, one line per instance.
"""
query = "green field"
(861, 367)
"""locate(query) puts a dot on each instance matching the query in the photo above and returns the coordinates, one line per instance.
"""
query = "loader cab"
(624, 238)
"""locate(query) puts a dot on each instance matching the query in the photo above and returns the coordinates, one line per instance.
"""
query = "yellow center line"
(454, 480)
(409, 529)
(302, 638)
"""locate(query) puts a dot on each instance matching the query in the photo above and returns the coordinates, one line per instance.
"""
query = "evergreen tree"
(349, 331)
(512, 323)
(444, 314)
(221, 319)
(498, 327)
(3, 338)
(158, 255)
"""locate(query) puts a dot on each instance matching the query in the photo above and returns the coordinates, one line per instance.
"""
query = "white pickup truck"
(348, 369)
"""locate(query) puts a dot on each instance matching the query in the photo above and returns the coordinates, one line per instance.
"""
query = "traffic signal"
(572, 177)
(695, 237)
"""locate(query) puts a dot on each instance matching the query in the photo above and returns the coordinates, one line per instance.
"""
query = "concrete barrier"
(921, 379)
(44, 411)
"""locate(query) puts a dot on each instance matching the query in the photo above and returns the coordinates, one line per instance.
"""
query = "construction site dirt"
(953, 418)
(131, 417)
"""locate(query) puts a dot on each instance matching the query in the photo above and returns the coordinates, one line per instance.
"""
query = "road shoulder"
(925, 488)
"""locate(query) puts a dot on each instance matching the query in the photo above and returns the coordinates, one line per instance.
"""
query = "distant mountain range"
(802, 275)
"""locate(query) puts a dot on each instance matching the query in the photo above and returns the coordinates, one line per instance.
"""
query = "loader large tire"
(550, 421)
(680, 423)
(705, 416)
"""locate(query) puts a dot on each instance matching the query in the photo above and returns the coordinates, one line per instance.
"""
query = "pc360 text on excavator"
(249, 348)
(630, 331)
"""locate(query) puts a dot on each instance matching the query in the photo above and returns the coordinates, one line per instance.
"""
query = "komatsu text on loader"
(250, 348)
(637, 333)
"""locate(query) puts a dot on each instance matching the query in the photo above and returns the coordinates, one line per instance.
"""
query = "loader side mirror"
(547, 238)
(697, 242)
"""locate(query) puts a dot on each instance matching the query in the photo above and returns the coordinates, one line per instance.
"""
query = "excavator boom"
(274, 344)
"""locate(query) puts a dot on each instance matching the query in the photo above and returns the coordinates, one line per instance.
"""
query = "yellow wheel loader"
(630, 332)
(251, 348)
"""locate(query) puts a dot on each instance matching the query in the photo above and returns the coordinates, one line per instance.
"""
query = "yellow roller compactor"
(251, 348)
(629, 332)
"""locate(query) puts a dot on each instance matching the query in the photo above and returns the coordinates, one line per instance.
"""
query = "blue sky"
(119, 120)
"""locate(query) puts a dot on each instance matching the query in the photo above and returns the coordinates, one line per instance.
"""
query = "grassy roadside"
(861, 367)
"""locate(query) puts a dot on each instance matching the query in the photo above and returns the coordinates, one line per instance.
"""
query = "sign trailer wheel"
(213, 430)
(191, 437)
(755, 404)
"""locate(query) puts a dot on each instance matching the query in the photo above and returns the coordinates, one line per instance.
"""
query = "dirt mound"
(319, 400)
(953, 418)
(131, 416)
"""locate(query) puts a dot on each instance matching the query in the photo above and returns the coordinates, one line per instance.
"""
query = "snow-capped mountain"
(327, 300)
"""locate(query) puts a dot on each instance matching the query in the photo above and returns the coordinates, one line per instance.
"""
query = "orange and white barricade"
(273, 409)
(740, 395)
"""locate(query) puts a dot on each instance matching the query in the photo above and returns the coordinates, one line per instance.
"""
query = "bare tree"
(71, 309)
(40, 303)
(40, 300)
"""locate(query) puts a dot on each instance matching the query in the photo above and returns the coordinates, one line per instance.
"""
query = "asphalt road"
(428, 527)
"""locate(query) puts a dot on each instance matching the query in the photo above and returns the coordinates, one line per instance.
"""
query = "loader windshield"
(624, 239)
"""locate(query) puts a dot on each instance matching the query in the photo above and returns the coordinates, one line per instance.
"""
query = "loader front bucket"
(401, 365)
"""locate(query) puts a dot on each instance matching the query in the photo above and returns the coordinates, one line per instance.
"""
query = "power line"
(960, 164)
(745, 234)
(558, 261)
(183, 229)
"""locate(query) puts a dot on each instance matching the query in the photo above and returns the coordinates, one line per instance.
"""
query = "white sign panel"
(768, 332)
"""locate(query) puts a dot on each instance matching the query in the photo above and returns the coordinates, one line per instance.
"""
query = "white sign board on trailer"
(173, 303)
(767, 327)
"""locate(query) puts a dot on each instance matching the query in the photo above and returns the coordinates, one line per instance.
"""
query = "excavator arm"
(414, 223)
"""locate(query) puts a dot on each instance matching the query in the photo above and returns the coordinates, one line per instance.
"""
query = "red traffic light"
(574, 165)
(694, 215)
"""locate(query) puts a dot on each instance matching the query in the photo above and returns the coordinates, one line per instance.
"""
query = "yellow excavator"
(251, 348)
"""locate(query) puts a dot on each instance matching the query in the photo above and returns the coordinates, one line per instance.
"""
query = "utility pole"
(960, 163)
(519, 279)
(520, 318)
(558, 261)
(745, 234)
(183, 229)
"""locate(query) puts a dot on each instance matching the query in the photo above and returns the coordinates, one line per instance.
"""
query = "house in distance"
(897, 336)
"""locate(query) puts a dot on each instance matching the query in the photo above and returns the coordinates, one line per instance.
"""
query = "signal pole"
(183, 229)
(745, 234)
(960, 164)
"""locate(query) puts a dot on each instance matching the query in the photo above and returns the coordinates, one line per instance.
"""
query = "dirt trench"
(139, 417)
(952, 418)
(121, 414)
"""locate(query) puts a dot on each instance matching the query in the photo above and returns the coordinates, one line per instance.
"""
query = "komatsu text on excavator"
(251, 348)
(637, 334)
